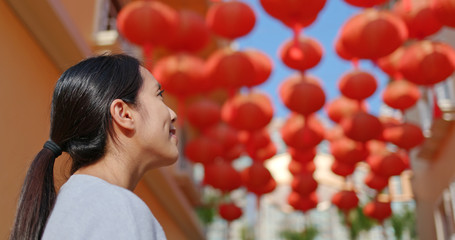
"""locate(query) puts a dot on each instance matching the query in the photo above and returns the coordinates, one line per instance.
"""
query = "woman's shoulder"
(86, 203)
(89, 189)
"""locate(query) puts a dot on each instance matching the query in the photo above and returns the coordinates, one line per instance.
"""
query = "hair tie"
(51, 145)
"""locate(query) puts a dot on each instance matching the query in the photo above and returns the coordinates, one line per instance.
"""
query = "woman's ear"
(122, 114)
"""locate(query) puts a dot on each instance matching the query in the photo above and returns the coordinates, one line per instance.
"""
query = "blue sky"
(269, 34)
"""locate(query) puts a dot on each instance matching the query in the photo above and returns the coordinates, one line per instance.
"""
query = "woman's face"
(155, 124)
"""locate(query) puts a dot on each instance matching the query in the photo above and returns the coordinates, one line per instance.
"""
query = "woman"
(108, 114)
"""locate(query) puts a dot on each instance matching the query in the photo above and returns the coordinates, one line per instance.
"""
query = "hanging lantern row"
(373, 34)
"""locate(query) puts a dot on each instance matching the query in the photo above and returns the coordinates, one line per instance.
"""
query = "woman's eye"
(161, 93)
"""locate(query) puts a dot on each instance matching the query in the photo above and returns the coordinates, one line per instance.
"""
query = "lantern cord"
(359, 102)
(228, 230)
(346, 218)
(297, 29)
(258, 203)
(402, 119)
(437, 113)
(384, 232)
(258, 217)
(355, 63)
(407, 160)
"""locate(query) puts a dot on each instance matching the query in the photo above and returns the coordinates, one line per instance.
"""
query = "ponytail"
(38, 195)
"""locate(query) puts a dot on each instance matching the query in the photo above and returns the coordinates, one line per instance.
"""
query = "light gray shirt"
(88, 207)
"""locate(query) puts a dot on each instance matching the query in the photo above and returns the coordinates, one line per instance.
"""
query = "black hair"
(80, 124)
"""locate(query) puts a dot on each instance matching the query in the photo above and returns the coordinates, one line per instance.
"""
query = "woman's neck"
(114, 170)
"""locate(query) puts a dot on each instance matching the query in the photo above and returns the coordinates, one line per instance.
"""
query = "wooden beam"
(49, 23)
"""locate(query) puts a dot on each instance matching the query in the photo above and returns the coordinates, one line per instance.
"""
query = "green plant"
(405, 221)
(247, 233)
(206, 214)
(309, 233)
(356, 222)
(207, 211)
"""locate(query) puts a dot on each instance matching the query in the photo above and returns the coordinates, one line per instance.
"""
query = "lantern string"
(407, 160)
(355, 63)
(402, 118)
(258, 216)
(437, 113)
(295, 52)
(228, 230)
(384, 232)
(297, 29)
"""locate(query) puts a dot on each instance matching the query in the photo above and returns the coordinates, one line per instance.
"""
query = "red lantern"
(179, 74)
(420, 19)
(335, 133)
(264, 153)
(427, 63)
(348, 151)
(256, 139)
(295, 14)
(231, 19)
(304, 184)
(342, 169)
(230, 69)
(388, 165)
(248, 112)
(303, 155)
(390, 63)
(256, 175)
(204, 113)
(229, 211)
(387, 122)
(342, 107)
(378, 210)
(221, 175)
(303, 54)
(365, 4)
(302, 133)
(362, 127)
(376, 147)
(444, 11)
(376, 181)
(401, 94)
(357, 85)
(224, 135)
(192, 34)
(373, 34)
(262, 64)
(345, 200)
(302, 94)
(263, 189)
(147, 22)
(296, 167)
(341, 52)
(233, 153)
(303, 203)
(404, 135)
(203, 150)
